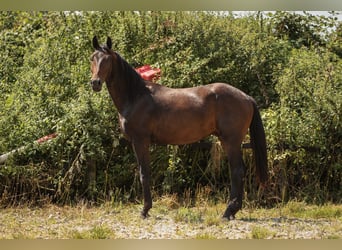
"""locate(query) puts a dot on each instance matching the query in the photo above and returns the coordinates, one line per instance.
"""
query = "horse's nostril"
(95, 82)
(96, 85)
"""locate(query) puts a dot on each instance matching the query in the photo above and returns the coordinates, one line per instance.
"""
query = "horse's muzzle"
(96, 85)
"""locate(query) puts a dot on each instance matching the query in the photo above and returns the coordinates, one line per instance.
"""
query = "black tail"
(258, 143)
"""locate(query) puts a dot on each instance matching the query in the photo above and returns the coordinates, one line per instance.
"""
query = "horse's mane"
(134, 83)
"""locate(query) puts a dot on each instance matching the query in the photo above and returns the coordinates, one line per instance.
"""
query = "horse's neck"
(124, 87)
(117, 93)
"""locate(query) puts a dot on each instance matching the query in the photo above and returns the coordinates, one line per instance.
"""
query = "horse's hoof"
(228, 214)
(144, 215)
(228, 217)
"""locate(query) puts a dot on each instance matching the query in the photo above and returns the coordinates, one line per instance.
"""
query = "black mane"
(134, 83)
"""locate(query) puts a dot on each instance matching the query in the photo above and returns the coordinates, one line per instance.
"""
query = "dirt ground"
(166, 222)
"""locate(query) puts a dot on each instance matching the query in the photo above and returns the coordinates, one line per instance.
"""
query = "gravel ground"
(274, 228)
(54, 222)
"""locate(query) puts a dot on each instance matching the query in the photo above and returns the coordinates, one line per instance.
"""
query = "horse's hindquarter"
(234, 113)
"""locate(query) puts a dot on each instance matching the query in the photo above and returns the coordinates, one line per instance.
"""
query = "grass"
(97, 232)
(259, 232)
(302, 210)
(170, 219)
(294, 209)
(205, 236)
(188, 215)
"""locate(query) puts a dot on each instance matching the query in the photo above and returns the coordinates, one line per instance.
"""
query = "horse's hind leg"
(237, 169)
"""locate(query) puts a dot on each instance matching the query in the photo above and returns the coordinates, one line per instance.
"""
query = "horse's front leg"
(141, 150)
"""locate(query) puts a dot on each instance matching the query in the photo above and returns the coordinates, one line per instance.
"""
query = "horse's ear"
(109, 43)
(96, 44)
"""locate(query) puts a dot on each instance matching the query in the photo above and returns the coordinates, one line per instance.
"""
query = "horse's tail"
(258, 143)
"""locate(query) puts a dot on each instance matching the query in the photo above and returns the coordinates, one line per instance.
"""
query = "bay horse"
(152, 113)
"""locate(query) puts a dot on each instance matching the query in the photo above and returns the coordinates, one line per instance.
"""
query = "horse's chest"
(128, 127)
(123, 125)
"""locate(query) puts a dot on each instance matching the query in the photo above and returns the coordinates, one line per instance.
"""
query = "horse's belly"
(183, 131)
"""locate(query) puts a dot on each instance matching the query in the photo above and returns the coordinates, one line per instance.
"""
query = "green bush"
(304, 128)
(45, 70)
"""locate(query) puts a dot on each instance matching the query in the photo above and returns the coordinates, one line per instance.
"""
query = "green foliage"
(305, 126)
(302, 29)
(290, 63)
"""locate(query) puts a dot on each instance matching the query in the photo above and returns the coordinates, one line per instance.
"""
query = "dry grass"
(169, 219)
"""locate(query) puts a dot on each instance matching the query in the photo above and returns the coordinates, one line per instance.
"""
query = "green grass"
(303, 210)
(259, 232)
(169, 219)
(97, 232)
(205, 236)
(188, 215)
(294, 209)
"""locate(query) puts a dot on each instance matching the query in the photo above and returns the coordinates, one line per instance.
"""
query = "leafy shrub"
(45, 69)
(304, 129)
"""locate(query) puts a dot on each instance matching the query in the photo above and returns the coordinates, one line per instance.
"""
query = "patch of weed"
(97, 232)
(166, 203)
(205, 236)
(293, 208)
(212, 220)
(20, 236)
(261, 233)
(334, 237)
(328, 211)
(188, 215)
(100, 232)
(302, 210)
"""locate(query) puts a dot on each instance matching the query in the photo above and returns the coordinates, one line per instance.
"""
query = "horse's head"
(101, 63)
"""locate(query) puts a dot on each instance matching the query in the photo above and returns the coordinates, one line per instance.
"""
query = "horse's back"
(186, 115)
(182, 116)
